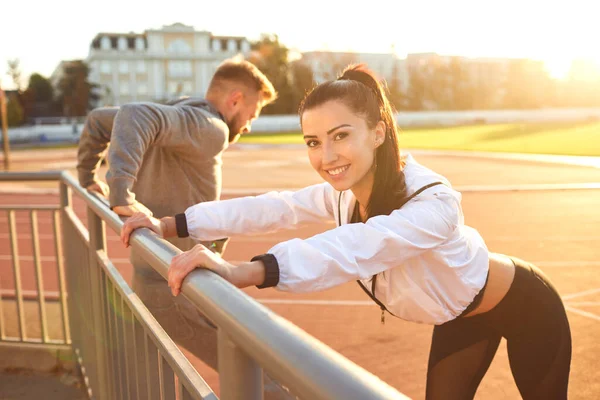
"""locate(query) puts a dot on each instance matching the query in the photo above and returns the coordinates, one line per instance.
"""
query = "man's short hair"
(246, 73)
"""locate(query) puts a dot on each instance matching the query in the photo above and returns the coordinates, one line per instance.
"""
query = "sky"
(42, 33)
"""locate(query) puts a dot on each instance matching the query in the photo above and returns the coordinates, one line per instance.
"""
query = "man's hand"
(128, 211)
(99, 187)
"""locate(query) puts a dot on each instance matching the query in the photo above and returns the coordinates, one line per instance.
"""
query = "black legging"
(533, 320)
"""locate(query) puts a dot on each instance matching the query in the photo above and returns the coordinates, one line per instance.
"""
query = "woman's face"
(341, 146)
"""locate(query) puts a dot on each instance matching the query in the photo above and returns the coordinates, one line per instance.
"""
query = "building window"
(105, 43)
(180, 69)
(139, 44)
(175, 88)
(141, 67)
(216, 45)
(105, 67)
(179, 46)
(231, 45)
(188, 88)
(124, 88)
(142, 89)
(245, 46)
(107, 94)
(123, 67)
(122, 43)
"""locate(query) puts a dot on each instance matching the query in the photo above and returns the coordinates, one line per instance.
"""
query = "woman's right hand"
(140, 220)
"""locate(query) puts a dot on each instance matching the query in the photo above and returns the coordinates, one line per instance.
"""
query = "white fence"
(290, 123)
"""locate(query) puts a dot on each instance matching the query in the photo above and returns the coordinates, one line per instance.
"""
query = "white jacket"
(430, 264)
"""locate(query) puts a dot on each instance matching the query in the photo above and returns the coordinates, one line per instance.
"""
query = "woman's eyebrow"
(329, 132)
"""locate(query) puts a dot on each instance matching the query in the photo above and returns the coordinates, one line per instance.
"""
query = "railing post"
(62, 282)
(66, 203)
(240, 377)
(97, 232)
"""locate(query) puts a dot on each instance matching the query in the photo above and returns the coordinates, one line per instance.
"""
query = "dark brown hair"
(359, 89)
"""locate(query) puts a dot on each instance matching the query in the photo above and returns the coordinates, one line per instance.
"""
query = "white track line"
(570, 264)
(583, 313)
(583, 303)
(580, 294)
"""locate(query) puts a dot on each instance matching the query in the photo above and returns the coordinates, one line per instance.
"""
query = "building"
(328, 65)
(159, 64)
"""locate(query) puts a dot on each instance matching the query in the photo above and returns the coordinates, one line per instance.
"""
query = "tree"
(76, 94)
(14, 110)
(337, 62)
(427, 84)
(397, 97)
(445, 83)
(417, 81)
(38, 97)
(15, 72)
(291, 80)
(302, 81)
(581, 88)
(528, 85)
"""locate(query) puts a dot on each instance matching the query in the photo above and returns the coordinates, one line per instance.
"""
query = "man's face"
(248, 109)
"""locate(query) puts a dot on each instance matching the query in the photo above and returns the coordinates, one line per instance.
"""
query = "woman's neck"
(362, 192)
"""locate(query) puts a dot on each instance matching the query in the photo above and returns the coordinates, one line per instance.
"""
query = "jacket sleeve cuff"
(86, 177)
(120, 193)
(181, 225)
(271, 270)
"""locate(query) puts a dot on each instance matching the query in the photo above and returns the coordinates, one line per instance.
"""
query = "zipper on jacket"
(373, 280)
(375, 299)
(371, 294)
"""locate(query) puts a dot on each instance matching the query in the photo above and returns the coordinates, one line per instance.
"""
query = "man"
(165, 158)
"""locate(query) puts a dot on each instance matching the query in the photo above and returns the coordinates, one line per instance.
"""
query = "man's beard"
(234, 128)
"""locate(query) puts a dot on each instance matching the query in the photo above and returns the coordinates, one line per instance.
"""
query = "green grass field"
(578, 139)
(581, 139)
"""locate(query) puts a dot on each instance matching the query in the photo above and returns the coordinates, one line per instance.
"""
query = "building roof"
(114, 37)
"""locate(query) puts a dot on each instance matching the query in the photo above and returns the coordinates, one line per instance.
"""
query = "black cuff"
(181, 225)
(271, 270)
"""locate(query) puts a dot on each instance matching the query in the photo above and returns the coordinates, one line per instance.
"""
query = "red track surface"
(555, 229)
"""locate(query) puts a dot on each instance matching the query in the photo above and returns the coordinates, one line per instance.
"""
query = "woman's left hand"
(140, 220)
(197, 257)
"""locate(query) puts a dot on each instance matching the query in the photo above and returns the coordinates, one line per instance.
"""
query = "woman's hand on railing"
(140, 220)
(241, 275)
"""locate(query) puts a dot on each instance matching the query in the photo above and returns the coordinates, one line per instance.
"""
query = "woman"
(401, 235)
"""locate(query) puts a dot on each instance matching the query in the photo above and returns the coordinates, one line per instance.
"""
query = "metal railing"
(39, 295)
(125, 354)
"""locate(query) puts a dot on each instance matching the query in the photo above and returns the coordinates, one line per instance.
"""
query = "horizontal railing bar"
(31, 176)
(35, 207)
(37, 344)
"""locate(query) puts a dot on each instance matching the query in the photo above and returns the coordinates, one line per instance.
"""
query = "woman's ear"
(380, 130)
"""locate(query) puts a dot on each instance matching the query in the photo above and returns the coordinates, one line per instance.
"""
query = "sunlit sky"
(42, 33)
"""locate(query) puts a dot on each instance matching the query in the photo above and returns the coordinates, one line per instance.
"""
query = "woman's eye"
(340, 136)
(312, 143)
